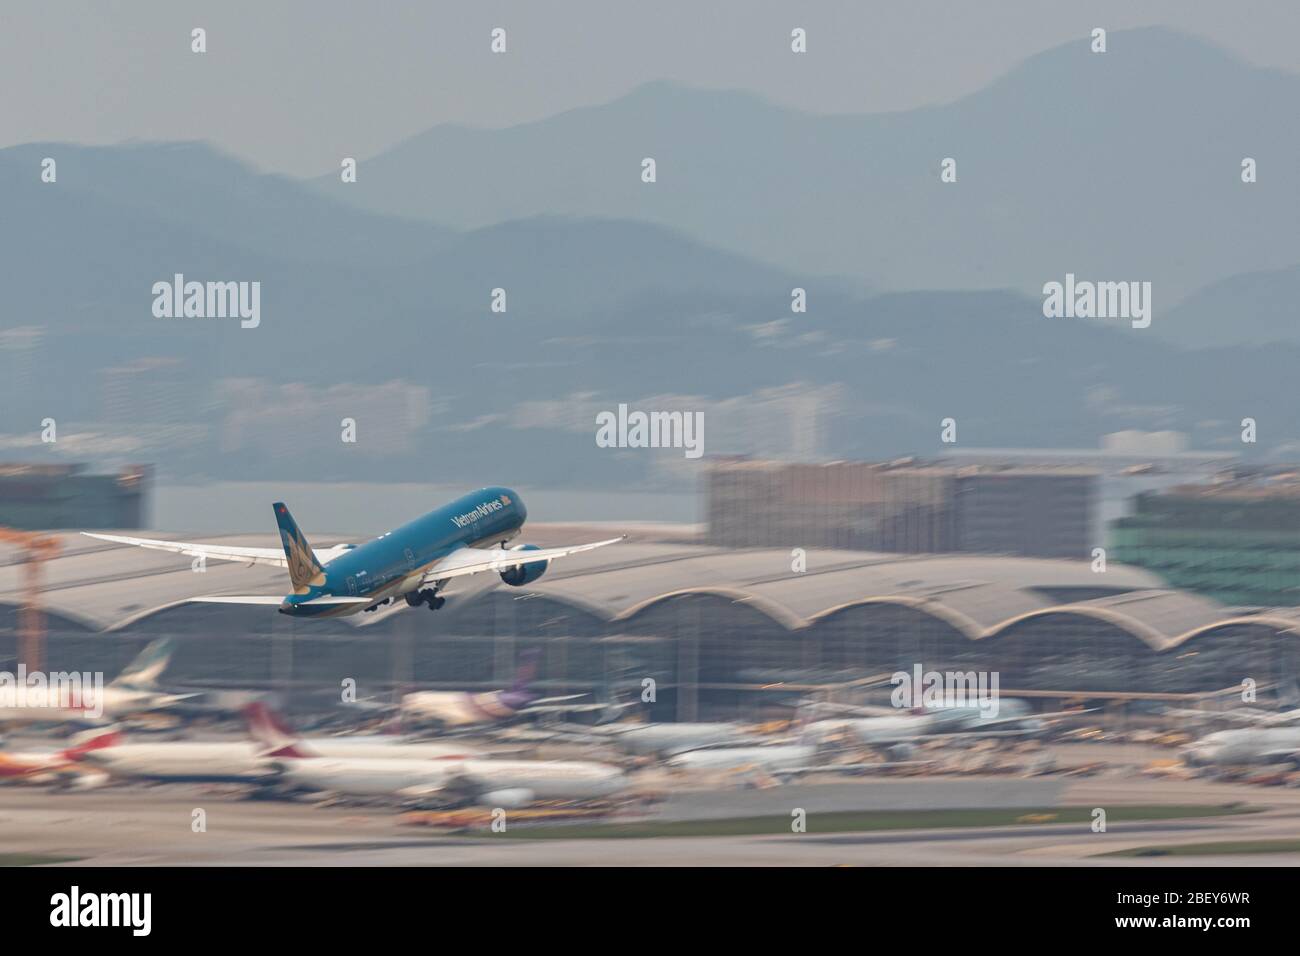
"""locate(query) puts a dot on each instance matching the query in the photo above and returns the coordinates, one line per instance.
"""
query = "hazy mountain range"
(1122, 165)
(674, 295)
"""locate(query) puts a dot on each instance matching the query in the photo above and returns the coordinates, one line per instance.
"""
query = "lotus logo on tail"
(304, 570)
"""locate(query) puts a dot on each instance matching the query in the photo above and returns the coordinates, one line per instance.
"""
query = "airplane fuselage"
(54, 706)
(234, 761)
(395, 563)
(1252, 745)
(466, 779)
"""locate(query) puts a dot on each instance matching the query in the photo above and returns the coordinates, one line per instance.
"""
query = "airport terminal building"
(722, 632)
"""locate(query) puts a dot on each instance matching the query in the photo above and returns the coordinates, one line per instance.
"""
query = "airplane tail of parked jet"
(92, 740)
(526, 672)
(143, 672)
(270, 733)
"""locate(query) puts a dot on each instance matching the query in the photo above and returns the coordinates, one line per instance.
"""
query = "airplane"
(275, 739)
(895, 736)
(1250, 717)
(667, 739)
(1015, 717)
(133, 691)
(457, 710)
(768, 758)
(37, 767)
(411, 563)
(453, 779)
(777, 762)
(1253, 745)
(250, 761)
(450, 783)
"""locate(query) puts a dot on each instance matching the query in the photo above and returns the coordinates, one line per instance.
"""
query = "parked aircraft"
(459, 710)
(443, 783)
(666, 739)
(74, 698)
(250, 761)
(39, 767)
(450, 780)
(1248, 746)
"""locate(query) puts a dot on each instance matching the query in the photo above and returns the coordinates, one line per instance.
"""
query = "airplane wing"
(1046, 717)
(464, 561)
(543, 702)
(1054, 715)
(276, 600)
(856, 710)
(218, 552)
(1280, 755)
(1253, 717)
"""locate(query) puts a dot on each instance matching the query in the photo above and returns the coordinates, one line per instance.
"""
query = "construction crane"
(37, 548)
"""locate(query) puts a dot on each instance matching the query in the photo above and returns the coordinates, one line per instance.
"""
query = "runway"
(154, 826)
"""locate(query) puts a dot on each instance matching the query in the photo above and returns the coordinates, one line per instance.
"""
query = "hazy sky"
(291, 86)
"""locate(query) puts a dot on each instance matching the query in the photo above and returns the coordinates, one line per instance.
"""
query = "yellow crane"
(37, 548)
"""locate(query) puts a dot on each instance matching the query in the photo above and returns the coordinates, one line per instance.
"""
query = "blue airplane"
(412, 562)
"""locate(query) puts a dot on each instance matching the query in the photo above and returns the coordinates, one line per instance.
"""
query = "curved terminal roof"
(103, 586)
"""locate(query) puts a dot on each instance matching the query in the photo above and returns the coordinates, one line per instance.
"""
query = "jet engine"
(901, 751)
(522, 574)
(510, 799)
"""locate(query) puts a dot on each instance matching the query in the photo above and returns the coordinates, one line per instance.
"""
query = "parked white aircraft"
(488, 782)
(250, 761)
(769, 758)
(886, 726)
(72, 698)
(454, 710)
(455, 777)
(669, 739)
(275, 739)
(181, 761)
(1254, 745)
(57, 766)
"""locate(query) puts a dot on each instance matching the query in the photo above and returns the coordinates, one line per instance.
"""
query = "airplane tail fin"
(1288, 694)
(271, 734)
(92, 740)
(529, 663)
(143, 672)
(304, 570)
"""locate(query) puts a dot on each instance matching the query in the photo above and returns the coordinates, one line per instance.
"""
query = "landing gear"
(428, 596)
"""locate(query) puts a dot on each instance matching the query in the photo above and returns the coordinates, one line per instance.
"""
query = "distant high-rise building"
(1236, 539)
(53, 497)
(19, 355)
(1128, 463)
(906, 506)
